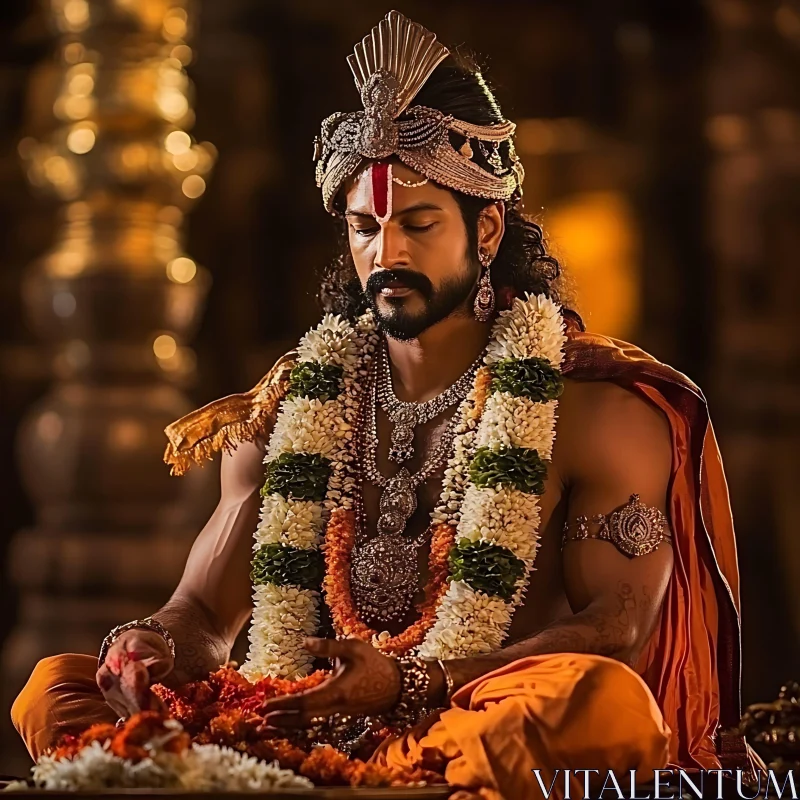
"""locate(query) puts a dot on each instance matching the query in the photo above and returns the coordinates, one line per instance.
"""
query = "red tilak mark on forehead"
(381, 175)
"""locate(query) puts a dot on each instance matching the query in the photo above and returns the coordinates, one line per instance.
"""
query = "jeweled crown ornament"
(390, 65)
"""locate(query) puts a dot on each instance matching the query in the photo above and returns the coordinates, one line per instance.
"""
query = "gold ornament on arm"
(635, 529)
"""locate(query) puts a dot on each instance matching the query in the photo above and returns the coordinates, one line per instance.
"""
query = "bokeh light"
(164, 346)
(181, 270)
(193, 186)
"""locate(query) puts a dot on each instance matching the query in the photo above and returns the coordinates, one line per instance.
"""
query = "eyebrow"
(408, 210)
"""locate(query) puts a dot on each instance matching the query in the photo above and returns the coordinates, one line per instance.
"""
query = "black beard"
(440, 303)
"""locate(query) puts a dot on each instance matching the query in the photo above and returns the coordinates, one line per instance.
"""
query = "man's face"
(414, 268)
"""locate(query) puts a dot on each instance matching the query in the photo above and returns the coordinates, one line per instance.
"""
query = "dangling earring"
(484, 300)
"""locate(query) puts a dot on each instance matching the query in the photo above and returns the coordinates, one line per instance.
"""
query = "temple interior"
(161, 239)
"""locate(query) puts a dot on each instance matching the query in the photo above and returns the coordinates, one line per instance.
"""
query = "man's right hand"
(137, 659)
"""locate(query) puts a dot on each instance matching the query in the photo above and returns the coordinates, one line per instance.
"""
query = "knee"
(621, 709)
(46, 680)
(44, 676)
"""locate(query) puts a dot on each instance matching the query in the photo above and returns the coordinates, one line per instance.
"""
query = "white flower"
(95, 767)
(293, 522)
(333, 341)
(468, 623)
(510, 421)
(211, 768)
(380, 638)
(206, 767)
(502, 515)
(307, 426)
(282, 617)
(531, 328)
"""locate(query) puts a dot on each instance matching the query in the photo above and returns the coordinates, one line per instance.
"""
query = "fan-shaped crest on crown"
(403, 49)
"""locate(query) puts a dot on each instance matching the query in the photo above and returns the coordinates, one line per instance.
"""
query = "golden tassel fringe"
(226, 423)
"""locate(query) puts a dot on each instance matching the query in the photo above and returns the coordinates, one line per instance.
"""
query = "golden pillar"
(116, 298)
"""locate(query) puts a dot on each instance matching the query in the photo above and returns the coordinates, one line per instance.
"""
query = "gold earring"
(484, 299)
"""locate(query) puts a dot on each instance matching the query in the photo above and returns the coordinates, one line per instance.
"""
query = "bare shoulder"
(604, 427)
(242, 469)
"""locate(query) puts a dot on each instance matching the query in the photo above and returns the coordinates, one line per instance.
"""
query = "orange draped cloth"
(553, 713)
(564, 710)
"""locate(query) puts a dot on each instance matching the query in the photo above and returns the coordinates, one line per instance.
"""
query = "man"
(623, 654)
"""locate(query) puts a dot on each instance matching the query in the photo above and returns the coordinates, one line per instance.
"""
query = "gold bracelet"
(148, 624)
(414, 683)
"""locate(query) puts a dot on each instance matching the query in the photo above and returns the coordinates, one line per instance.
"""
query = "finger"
(287, 719)
(327, 694)
(135, 686)
(158, 668)
(114, 660)
(109, 686)
(115, 700)
(105, 678)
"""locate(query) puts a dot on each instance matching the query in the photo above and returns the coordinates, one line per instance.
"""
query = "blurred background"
(160, 234)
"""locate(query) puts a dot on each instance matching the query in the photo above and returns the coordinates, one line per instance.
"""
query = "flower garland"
(485, 525)
(309, 473)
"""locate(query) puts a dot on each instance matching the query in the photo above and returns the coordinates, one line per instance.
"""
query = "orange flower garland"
(483, 385)
(340, 538)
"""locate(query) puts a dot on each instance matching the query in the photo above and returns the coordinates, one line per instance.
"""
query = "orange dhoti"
(563, 711)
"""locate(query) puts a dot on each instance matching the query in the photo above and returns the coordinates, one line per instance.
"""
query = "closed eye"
(365, 232)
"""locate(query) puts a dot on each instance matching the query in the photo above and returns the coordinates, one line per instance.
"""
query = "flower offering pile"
(210, 736)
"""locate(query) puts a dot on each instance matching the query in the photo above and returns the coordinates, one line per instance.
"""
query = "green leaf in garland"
(519, 467)
(535, 378)
(297, 476)
(486, 567)
(315, 380)
(287, 566)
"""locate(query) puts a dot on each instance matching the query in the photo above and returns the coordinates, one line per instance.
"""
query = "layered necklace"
(311, 545)
(384, 568)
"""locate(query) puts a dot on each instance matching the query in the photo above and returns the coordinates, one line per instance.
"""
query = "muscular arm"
(212, 601)
(614, 445)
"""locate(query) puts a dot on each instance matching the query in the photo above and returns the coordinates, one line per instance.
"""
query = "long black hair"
(522, 263)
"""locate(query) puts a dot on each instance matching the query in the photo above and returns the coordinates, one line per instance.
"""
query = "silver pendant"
(398, 502)
(401, 446)
(384, 576)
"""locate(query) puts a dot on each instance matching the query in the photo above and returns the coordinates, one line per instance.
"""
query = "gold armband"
(634, 529)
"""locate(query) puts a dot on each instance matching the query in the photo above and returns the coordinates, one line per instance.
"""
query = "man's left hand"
(364, 681)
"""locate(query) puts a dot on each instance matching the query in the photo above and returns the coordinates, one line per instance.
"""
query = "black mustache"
(408, 277)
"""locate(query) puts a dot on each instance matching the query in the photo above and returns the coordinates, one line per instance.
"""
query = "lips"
(396, 290)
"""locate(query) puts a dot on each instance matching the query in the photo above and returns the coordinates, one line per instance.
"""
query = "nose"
(391, 247)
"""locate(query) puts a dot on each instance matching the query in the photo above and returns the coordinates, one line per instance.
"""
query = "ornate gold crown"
(390, 65)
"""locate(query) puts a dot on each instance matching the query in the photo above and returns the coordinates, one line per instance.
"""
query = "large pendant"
(398, 503)
(384, 577)
(401, 446)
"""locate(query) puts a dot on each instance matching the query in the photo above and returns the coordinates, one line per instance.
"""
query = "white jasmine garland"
(284, 615)
(501, 515)
(510, 421)
(297, 523)
(307, 426)
(531, 328)
(468, 622)
(333, 341)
